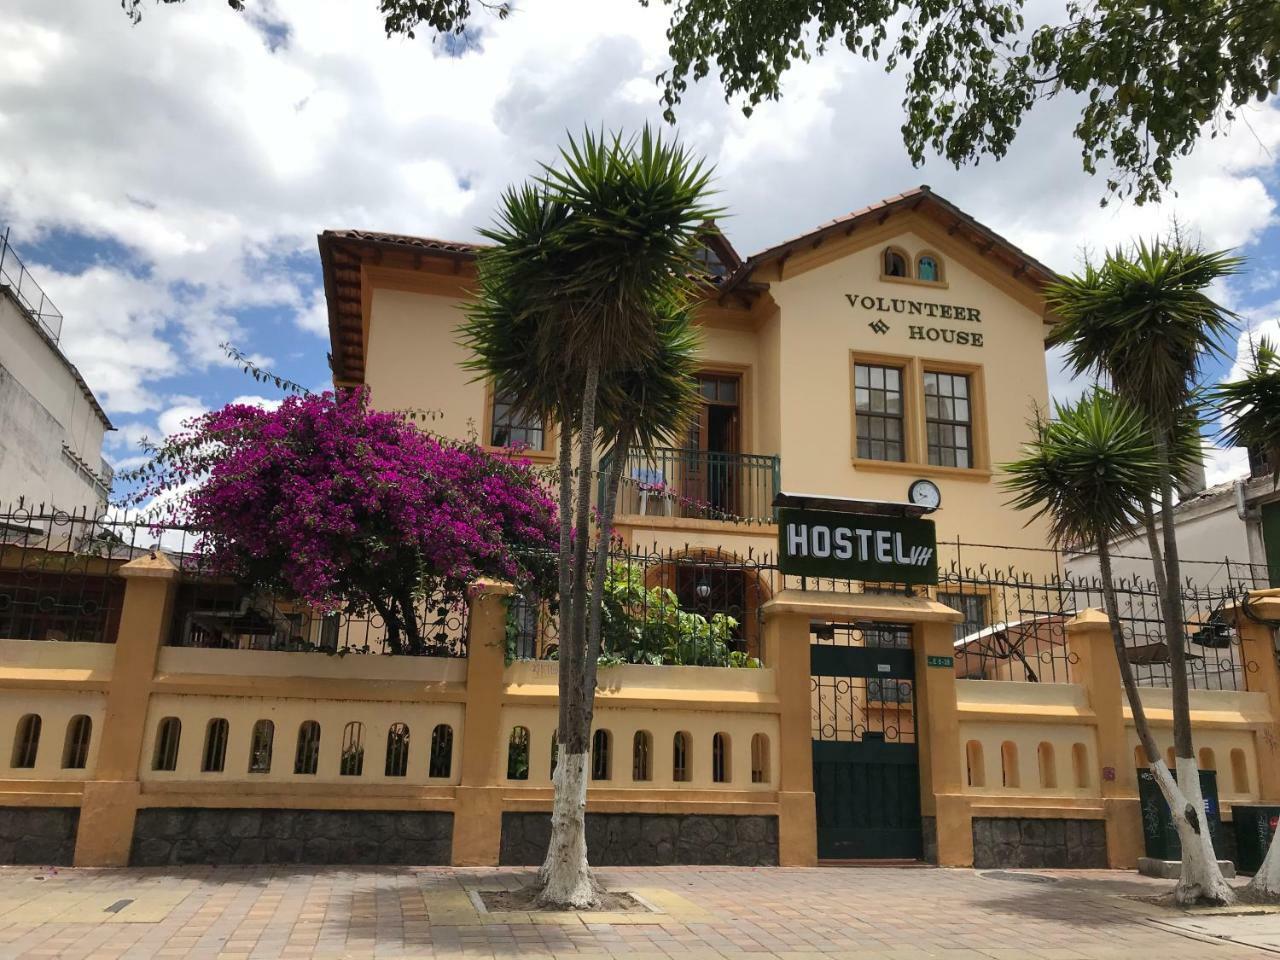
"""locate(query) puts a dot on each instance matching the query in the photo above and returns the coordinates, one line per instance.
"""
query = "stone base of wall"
(648, 839)
(42, 836)
(929, 836)
(1013, 842)
(170, 836)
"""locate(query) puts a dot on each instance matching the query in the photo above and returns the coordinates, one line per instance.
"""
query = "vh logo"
(878, 326)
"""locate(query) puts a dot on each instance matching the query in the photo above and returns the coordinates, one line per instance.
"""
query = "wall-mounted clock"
(925, 493)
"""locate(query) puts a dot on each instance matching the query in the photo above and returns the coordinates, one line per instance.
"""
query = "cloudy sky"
(166, 182)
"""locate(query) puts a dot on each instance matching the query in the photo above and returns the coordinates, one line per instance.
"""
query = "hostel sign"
(855, 546)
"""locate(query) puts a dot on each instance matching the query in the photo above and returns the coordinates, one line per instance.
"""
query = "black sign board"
(857, 546)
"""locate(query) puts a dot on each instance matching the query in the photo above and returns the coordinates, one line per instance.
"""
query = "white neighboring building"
(51, 425)
(1216, 525)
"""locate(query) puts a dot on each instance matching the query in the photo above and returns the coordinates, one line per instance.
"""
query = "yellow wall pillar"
(110, 801)
(786, 651)
(938, 733)
(1258, 652)
(477, 817)
(1097, 670)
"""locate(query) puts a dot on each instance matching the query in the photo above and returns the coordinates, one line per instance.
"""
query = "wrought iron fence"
(694, 606)
(15, 276)
(58, 581)
(700, 484)
(691, 607)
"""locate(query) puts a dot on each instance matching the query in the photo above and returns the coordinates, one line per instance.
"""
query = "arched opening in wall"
(601, 764)
(1239, 771)
(682, 757)
(214, 757)
(26, 742)
(642, 756)
(441, 761)
(711, 581)
(975, 764)
(261, 743)
(168, 736)
(351, 763)
(518, 754)
(721, 759)
(397, 750)
(1207, 760)
(75, 749)
(894, 263)
(1009, 764)
(1080, 765)
(307, 759)
(1048, 766)
(555, 753)
(759, 758)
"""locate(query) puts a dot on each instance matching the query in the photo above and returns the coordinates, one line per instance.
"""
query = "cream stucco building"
(901, 342)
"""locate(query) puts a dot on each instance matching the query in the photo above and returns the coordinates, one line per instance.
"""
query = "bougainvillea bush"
(345, 508)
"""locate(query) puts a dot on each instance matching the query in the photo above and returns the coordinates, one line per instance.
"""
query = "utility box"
(1160, 837)
(1255, 825)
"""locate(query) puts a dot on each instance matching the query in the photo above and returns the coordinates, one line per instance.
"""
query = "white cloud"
(255, 401)
(215, 159)
(1222, 465)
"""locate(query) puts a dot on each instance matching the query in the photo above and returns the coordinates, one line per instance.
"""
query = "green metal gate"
(866, 765)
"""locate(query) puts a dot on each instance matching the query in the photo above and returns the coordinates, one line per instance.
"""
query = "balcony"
(696, 484)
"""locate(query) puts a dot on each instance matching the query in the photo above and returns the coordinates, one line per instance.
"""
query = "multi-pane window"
(948, 423)
(973, 606)
(511, 428)
(878, 406)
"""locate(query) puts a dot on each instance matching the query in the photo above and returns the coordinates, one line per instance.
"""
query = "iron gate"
(866, 765)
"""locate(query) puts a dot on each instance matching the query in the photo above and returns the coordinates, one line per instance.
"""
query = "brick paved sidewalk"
(699, 913)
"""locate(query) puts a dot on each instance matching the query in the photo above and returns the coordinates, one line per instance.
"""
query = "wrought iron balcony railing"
(677, 482)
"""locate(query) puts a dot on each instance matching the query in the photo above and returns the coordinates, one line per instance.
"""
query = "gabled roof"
(343, 251)
(920, 200)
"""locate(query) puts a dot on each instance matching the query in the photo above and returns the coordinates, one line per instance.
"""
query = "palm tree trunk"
(604, 540)
(1153, 544)
(565, 876)
(564, 598)
(1201, 880)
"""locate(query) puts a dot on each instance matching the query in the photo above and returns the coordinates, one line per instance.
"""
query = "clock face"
(925, 493)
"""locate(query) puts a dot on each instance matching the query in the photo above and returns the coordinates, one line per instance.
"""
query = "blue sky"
(165, 182)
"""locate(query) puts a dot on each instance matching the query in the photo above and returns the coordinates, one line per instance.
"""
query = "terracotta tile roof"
(405, 240)
(343, 251)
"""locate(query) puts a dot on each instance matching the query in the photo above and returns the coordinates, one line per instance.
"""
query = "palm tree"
(1088, 471)
(1250, 406)
(578, 307)
(1143, 323)
(1250, 409)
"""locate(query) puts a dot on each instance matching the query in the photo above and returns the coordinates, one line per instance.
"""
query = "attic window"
(895, 264)
(928, 268)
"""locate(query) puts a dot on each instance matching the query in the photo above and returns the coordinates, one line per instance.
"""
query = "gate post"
(938, 719)
(1097, 670)
(786, 651)
(109, 805)
(477, 815)
(1257, 647)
